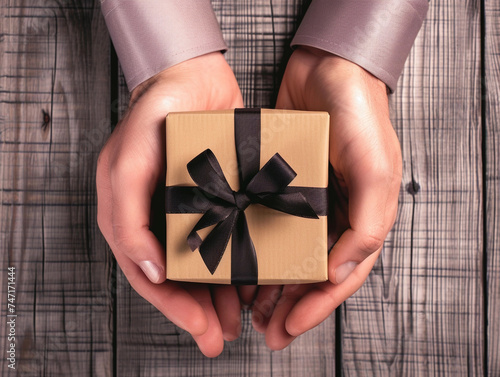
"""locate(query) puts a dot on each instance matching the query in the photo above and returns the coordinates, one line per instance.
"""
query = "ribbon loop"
(206, 172)
(274, 176)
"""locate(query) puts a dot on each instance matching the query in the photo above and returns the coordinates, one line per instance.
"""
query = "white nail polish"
(344, 270)
(152, 271)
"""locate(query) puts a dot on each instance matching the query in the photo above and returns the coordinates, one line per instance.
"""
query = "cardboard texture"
(289, 249)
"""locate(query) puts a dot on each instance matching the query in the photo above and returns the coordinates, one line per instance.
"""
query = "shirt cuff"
(375, 34)
(153, 35)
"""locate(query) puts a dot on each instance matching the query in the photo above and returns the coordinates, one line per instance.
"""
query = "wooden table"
(431, 305)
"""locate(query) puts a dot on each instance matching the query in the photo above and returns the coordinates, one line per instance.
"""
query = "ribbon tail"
(244, 269)
(213, 216)
(213, 247)
(274, 176)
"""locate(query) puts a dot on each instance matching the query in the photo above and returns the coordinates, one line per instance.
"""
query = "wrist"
(343, 68)
(191, 68)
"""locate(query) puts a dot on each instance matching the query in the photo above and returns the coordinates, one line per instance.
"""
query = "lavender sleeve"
(152, 35)
(375, 34)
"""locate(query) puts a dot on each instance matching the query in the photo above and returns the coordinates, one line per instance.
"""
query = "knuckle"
(102, 171)
(100, 220)
(101, 166)
(121, 168)
(122, 239)
(103, 158)
(384, 166)
(371, 242)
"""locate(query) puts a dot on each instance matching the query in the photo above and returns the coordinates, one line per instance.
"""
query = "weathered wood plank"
(149, 345)
(54, 59)
(492, 181)
(421, 310)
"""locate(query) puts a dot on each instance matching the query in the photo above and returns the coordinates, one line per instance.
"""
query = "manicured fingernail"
(343, 271)
(152, 271)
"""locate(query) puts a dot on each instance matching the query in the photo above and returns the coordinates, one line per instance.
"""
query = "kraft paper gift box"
(246, 196)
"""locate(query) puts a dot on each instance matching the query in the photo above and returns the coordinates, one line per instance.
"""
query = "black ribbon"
(225, 208)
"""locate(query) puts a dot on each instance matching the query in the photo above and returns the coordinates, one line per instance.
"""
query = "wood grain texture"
(492, 180)
(54, 59)
(420, 313)
(150, 345)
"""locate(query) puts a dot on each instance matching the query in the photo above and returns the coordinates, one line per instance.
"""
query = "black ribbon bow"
(225, 208)
(265, 188)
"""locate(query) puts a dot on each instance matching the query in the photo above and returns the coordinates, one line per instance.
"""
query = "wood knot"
(413, 187)
(46, 120)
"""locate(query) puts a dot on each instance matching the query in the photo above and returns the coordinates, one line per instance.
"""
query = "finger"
(324, 298)
(169, 298)
(247, 294)
(277, 337)
(211, 342)
(228, 308)
(131, 206)
(373, 199)
(263, 306)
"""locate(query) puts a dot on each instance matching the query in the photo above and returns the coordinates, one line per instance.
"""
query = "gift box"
(246, 196)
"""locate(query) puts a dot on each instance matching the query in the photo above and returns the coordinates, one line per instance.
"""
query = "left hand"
(366, 157)
(130, 170)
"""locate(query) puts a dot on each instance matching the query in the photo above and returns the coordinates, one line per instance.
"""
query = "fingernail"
(152, 271)
(343, 271)
(230, 336)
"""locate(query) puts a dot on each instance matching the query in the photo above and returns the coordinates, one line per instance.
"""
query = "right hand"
(366, 158)
(131, 168)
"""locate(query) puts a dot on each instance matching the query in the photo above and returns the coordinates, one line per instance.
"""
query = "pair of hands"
(365, 154)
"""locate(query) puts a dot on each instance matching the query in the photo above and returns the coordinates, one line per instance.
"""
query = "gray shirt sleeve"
(152, 35)
(375, 34)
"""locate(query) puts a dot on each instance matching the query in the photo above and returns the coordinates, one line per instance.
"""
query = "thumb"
(131, 204)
